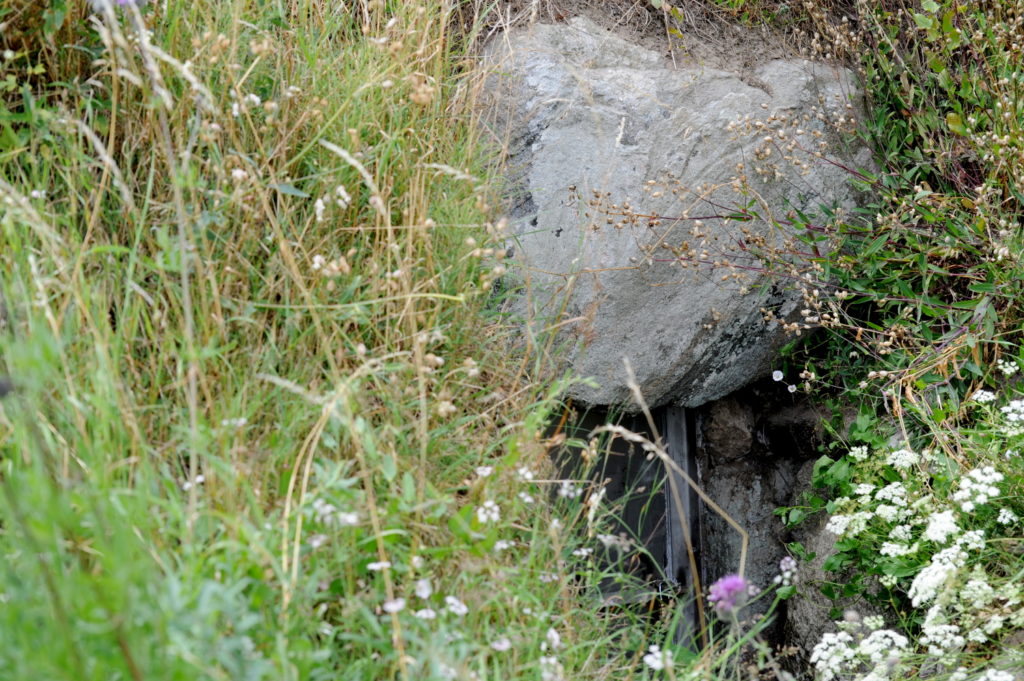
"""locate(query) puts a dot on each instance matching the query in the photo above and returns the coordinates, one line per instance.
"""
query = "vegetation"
(919, 298)
(261, 421)
(921, 303)
(261, 425)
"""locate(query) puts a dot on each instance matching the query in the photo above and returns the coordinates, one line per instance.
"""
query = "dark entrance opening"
(657, 508)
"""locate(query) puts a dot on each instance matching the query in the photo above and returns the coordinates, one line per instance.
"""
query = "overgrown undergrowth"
(261, 423)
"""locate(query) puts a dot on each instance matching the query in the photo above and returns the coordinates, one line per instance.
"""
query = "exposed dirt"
(709, 36)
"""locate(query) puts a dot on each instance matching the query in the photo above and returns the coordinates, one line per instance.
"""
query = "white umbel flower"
(935, 575)
(903, 458)
(941, 526)
(489, 512)
(455, 606)
(658, 659)
(833, 655)
(394, 605)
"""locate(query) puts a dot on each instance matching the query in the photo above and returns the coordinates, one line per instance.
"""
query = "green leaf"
(930, 6)
(53, 17)
(290, 190)
(986, 287)
(786, 592)
(955, 123)
(923, 21)
(388, 467)
(838, 473)
(837, 562)
(817, 476)
(408, 488)
(459, 525)
(949, 30)
(898, 569)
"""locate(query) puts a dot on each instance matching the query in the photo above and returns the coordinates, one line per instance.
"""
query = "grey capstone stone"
(583, 111)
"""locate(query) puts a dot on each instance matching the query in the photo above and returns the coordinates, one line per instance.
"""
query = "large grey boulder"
(588, 119)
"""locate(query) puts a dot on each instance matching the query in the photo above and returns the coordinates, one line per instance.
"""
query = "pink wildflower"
(728, 593)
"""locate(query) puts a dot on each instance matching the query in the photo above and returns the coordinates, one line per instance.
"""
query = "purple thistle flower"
(728, 593)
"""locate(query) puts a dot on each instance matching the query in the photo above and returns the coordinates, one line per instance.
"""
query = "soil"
(711, 37)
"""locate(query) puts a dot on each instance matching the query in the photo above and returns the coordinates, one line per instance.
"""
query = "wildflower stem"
(184, 254)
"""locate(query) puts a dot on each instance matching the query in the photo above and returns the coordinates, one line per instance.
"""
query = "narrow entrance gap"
(682, 516)
(665, 523)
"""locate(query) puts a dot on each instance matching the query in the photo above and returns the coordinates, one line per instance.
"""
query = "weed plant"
(256, 420)
(258, 423)
(919, 299)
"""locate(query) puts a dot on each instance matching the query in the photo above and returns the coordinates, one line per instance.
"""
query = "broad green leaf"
(290, 190)
(388, 467)
(955, 123)
(923, 21)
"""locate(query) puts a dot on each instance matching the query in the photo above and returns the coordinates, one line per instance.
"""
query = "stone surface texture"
(583, 111)
(750, 464)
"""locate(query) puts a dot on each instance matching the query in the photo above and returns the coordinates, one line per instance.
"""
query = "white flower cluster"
(424, 590)
(978, 593)
(552, 640)
(997, 675)
(1007, 367)
(567, 489)
(970, 613)
(328, 514)
(941, 526)
(489, 512)
(975, 540)
(901, 533)
(839, 654)
(551, 669)
(942, 638)
(929, 581)
(863, 490)
(874, 622)
(983, 396)
(977, 488)
(787, 572)
(893, 507)
(849, 525)
(455, 606)
(966, 606)
(896, 494)
(903, 458)
(833, 655)
(896, 549)
(859, 453)
(1013, 412)
(658, 659)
